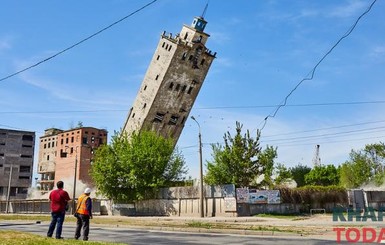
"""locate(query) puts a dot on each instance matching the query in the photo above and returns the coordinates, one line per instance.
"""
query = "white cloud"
(352, 8)
(5, 43)
(378, 51)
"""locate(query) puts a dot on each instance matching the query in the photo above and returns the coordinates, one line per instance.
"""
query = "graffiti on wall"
(254, 196)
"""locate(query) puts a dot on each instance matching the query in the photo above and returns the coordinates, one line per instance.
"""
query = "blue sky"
(264, 49)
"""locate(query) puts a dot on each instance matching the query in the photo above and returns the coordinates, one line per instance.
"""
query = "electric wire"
(199, 108)
(312, 72)
(78, 43)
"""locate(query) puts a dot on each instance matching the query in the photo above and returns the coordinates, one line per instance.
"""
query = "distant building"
(16, 163)
(172, 82)
(60, 151)
(47, 158)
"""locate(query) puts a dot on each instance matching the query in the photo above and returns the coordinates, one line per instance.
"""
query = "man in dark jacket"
(59, 199)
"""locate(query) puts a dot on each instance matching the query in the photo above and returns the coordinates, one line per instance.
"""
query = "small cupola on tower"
(199, 24)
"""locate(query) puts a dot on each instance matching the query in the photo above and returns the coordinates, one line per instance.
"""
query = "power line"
(199, 108)
(312, 72)
(321, 129)
(375, 129)
(78, 43)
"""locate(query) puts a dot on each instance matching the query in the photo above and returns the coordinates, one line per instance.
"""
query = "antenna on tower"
(204, 11)
(316, 159)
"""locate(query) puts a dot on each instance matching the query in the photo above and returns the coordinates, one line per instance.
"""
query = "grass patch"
(16, 238)
(197, 224)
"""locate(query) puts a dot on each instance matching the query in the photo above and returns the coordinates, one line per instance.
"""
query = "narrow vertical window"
(169, 48)
(202, 62)
(163, 44)
(184, 56)
(189, 90)
(157, 58)
(177, 87)
(157, 76)
(171, 85)
(145, 87)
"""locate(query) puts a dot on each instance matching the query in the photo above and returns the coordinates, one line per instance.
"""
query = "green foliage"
(366, 165)
(237, 161)
(323, 175)
(129, 170)
(283, 174)
(298, 174)
(266, 158)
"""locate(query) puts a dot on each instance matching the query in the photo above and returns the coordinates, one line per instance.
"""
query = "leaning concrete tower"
(172, 82)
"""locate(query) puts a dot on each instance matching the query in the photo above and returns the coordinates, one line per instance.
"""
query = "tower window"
(169, 48)
(184, 88)
(189, 90)
(166, 46)
(157, 58)
(177, 87)
(190, 58)
(144, 106)
(163, 44)
(173, 120)
(145, 87)
(171, 85)
(194, 82)
(184, 56)
(185, 36)
(202, 62)
(157, 76)
(159, 117)
(133, 115)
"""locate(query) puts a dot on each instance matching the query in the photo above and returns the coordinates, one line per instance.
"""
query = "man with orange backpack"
(83, 214)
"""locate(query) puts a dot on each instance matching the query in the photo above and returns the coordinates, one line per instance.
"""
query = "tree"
(129, 169)
(266, 158)
(237, 161)
(323, 175)
(366, 165)
(282, 174)
(298, 174)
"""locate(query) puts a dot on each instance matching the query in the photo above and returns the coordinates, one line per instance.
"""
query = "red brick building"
(73, 156)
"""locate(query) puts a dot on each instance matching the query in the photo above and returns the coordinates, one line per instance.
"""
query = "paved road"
(144, 236)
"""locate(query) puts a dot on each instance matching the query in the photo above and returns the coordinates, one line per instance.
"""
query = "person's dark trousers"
(83, 221)
(56, 218)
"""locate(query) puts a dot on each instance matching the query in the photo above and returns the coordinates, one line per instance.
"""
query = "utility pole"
(75, 173)
(9, 187)
(200, 170)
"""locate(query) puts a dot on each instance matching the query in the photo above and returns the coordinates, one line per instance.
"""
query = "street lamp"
(200, 169)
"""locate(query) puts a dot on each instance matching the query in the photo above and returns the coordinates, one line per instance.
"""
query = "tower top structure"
(172, 82)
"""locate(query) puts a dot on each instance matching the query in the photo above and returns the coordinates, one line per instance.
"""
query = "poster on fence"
(242, 195)
(259, 197)
(230, 204)
(273, 197)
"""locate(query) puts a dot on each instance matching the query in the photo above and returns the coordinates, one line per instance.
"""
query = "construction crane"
(316, 158)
